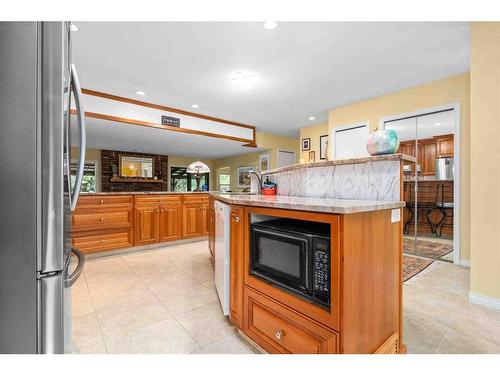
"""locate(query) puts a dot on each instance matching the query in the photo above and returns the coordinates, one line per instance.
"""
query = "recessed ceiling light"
(312, 118)
(270, 25)
(240, 76)
(73, 27)
(195, 106)
(140, 92)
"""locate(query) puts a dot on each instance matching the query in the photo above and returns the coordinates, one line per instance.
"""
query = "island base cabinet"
(277, 329)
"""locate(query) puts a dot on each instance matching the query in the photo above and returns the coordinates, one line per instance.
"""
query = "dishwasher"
(222, 251)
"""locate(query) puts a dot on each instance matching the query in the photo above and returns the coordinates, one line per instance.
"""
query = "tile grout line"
(95, 313)
(161, 303)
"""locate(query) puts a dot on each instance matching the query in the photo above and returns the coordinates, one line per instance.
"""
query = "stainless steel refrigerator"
(37, 84)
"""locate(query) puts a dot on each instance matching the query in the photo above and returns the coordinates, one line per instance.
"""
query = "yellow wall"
(271, 143)
(485, 158)
(441, 92)
(312, 132)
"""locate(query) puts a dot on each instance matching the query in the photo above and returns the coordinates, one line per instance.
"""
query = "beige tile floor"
(164, 301)
(159, 301)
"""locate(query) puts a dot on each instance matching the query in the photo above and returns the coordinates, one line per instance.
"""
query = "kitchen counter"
(159, 193)
(144, 193)
(329, 163)
(326, 205)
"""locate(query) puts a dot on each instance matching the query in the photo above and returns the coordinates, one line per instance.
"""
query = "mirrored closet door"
(428, 184)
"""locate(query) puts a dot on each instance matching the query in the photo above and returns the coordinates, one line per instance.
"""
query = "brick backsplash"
(110, 165)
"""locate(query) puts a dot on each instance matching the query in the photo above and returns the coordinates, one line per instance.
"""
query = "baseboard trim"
(464, 263)
(487, 301)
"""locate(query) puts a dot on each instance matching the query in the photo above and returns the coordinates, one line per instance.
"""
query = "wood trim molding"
(165, 127)
(165, 108)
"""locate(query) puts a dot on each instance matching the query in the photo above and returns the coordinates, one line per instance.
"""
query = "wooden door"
(193, 220)
(146, 224)
(170, 222)
(211, 228)
(237, 244)
(428, 150)
(445, 146)
(205, 219)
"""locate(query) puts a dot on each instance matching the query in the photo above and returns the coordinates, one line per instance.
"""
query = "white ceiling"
(111, 135)
(301, 69)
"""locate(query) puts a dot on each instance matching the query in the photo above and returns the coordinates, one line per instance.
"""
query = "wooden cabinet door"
(211, 228)
(237, 243)
(428, 150)
(146, 224)
(205, 219)
(192, 220)
(170, 222)
(445, 146)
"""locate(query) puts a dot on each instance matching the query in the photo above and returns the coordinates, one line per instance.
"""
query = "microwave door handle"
(75, 84)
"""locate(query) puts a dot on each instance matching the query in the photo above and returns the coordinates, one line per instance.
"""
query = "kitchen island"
(364, 314)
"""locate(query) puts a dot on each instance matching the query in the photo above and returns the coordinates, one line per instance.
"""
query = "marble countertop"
(158, 193)
(327, 205)
(144, 193)
(325, 163)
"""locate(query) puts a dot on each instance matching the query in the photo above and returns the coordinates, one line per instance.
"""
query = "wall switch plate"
(395, 215)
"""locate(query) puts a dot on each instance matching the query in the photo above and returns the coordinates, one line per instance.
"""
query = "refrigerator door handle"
(75, 84)
(75, 275)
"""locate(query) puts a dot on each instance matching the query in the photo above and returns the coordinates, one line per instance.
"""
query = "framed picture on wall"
(243, 177)
(264, 162)
(312, 156)
(306, 144)
(323, 147)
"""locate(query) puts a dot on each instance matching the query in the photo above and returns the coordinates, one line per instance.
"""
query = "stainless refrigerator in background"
(37, 83)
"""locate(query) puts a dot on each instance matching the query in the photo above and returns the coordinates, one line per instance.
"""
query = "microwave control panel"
(321, 274)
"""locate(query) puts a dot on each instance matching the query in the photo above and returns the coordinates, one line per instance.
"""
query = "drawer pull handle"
(101, 201)
(101, 218)
(279, 334)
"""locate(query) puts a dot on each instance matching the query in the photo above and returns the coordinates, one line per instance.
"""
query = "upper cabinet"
(445, 145)
(429, 150)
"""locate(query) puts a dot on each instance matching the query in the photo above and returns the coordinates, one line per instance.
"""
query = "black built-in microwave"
(294, 255)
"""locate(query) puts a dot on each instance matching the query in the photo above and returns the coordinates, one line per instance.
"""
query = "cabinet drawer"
(196, 198)
(94, 201)
(103, 240)
(101, 219)
(281, 330)
(156, 199)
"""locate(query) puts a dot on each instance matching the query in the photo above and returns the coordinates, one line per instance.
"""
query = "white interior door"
(285, 158)
(350, 141)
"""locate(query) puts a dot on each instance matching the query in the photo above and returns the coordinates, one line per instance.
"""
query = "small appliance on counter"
(444, 168)
(269, 188)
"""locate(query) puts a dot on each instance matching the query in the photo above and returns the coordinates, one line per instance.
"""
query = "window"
(89, 179)
(180, 180)
(224, 179)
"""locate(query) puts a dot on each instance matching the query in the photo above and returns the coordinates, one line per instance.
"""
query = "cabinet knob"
(237, 219)
(101, 241)
(279, 334)
(101, 201)
(101, 218)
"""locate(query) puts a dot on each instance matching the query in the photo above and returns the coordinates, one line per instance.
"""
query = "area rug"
(427, 248)
(413, 266)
